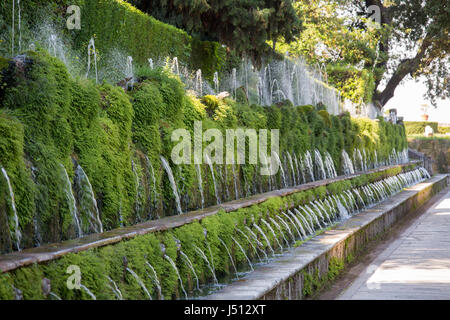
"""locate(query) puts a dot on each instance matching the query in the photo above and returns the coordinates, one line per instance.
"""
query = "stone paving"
(415, 266)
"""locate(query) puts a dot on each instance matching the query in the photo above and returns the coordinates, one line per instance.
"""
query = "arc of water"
(286, 225)
(308, 224)
(55, 296)
(200, 184)
(299, 224)
(211, 168)
(292, 223)
(17, 235)
(154, 278)
(273, 233)
(250, 243)
(149, 165)
(71, 201)
(203, 256)
(236, 192)
(191, 266)
(174, 266)
(312, 217)
(172, 183)
(316, 209)
(319, 164)
(199, 82)
(139, 281)
(315, 215)
(216, 82)
(265, 237)
(283, 175)
(243, 252)
(89, 292)
(280, 230)
(291, 163)
(96, 215)
(229, 255)
(91, 50)
(309, 165)
(115, 288)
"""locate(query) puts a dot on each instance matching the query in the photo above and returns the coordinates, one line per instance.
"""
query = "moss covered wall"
(96, 265)
(119, 30)
(50, 121)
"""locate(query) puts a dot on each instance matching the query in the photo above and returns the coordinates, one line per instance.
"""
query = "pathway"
(415, 266)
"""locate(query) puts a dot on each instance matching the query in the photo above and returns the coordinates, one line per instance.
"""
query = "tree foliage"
(410, 39)
(242, 25)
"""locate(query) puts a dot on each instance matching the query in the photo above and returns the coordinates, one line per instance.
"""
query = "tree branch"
(407, 66)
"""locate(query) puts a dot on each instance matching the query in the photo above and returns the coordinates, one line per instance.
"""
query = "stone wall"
(436, 148)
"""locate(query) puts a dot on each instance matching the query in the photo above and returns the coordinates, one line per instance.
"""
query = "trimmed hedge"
(118, 137)
(418, 127)
(119, 30)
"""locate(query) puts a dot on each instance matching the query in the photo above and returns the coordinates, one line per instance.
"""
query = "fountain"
(199, 82)
(175, 69)
(87, 199)
(347, 164)
(250, 243)
(283, 175)
(139, 281)
(16, 235)
(200, 184)
(190, 266)
(92, 51)
(93, 297)
(155, 280)
(243, 252)
(115, 288)
(265, 237)
(208, 264)
(291, 163)
(174, 266)
(211, 168)
(229, 255)
(319, 165)
(280, 230)
(71, 201)
(273, 233)
(216, 82)
(309, 165)
(172, 183)
(155, 191)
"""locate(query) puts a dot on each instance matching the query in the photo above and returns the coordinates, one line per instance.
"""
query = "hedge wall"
(119, 30)
(51, 121)
(418, 127)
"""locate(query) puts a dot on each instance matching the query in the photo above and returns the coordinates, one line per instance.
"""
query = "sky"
(408, 98)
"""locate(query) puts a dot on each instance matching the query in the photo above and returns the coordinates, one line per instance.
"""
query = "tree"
(243, 25)
(421, 27)
(410, 39)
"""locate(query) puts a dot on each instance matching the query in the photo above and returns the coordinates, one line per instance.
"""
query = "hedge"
(418, 127)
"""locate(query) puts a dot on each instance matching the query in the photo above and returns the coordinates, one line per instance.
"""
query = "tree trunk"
(407, 66)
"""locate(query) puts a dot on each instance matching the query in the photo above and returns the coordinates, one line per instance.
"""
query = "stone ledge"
(284, 279)
(11, 261)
